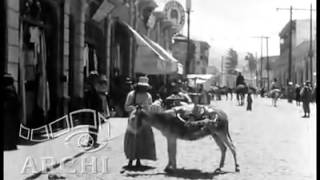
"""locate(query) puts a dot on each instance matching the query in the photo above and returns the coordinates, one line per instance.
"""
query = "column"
(13, 49)
(77, 19)
(66, 56)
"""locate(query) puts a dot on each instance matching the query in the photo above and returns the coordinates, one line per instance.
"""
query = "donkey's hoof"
(217, 171)
(237, 168)
(168, 170)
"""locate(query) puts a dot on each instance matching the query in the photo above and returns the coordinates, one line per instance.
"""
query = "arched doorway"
(41, 57)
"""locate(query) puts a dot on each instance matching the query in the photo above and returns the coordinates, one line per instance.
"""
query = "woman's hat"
(143, 81)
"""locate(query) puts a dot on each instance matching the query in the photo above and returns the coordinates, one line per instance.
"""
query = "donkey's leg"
(226, 140)
(223, 150)
(172, 152)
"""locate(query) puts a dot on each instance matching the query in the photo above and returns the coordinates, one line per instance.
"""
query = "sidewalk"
(30, 158)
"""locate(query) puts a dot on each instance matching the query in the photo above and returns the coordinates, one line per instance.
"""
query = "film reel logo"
(82, 129)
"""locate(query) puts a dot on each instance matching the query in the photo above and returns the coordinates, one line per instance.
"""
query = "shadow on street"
(184, 173)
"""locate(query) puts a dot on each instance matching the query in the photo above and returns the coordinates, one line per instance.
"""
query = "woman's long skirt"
(140, 145)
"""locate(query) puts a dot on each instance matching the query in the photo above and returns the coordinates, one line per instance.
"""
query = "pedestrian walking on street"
(203, 99)
(249, 101)
(306, 93)
(262, 91)
(290, 92)
(298, 98)
(275, 84)
(95, 98)
(139, 142)
(10, 108)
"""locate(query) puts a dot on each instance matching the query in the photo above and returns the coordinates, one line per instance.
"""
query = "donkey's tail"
(227, 131)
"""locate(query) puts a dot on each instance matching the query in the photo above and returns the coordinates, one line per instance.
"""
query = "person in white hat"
(139, 142)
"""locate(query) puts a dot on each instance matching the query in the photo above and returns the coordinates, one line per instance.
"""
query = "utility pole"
(310, 50)
(261, 58)
(268, 63)
(188, 7)
(290, 47)
(256, 71)
(290, 38)
(222, 73)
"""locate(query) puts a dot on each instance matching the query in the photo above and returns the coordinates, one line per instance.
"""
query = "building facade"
(273, 61)
(201, 57)
(198, 54)
(52, 45)
(300, 52)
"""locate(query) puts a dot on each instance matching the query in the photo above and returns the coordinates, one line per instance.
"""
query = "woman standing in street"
(139, 143)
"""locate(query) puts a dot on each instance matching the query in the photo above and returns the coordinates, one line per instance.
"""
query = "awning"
(151, 58)
(171, 62)
(204, 79)
(199, 76)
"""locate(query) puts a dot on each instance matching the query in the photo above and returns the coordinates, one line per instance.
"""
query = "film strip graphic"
(69, 122)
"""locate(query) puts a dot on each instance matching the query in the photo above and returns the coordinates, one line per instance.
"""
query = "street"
(272, 143)
(73, 70)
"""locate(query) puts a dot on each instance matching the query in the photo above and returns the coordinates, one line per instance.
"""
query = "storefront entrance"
(120, 66)
(40, 67)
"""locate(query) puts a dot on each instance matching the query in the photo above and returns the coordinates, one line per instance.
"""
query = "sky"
(233, 24)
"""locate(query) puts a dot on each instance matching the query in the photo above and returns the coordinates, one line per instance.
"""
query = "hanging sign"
(175, 13)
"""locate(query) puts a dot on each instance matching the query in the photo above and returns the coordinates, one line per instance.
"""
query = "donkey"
(174, 127)
(241, 90)
(226, 91)
(275, 94)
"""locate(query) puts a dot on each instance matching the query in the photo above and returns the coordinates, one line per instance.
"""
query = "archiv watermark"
(84, 131)
(67, 165)
(82, 127)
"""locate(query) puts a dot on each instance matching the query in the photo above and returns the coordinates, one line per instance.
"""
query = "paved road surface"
(272, 143)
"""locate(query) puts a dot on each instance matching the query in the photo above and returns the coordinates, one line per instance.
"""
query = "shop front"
(40, 61)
